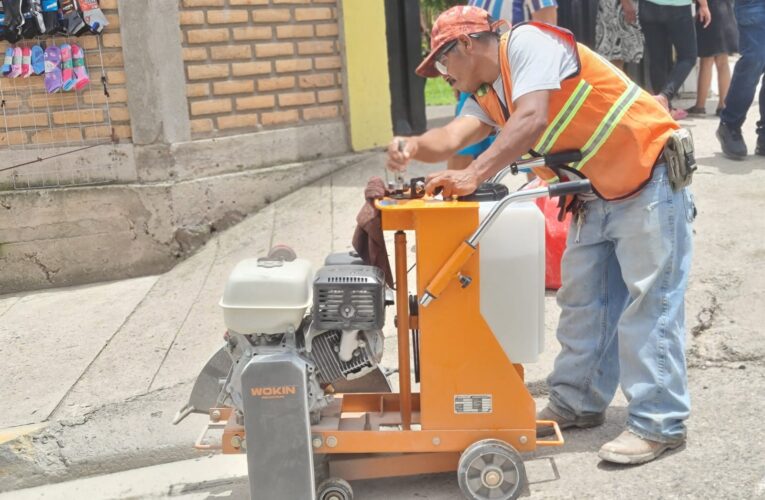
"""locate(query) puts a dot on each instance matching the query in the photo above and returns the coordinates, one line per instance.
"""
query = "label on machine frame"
(472, 403)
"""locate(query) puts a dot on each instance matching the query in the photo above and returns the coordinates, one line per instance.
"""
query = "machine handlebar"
(572, 187)
(563, 157)
(526, 164)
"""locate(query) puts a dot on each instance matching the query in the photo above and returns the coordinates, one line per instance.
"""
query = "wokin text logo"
(273, 392)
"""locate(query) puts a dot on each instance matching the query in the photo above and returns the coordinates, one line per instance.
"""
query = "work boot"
(629, 448)
(583, 422)
(732, 141)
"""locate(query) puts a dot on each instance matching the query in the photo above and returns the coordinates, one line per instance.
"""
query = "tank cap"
(269, 262)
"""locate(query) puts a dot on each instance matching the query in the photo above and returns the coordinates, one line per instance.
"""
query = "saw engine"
(332, 321)
(293, 340)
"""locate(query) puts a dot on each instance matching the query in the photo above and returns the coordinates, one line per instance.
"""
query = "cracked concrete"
(49, 273)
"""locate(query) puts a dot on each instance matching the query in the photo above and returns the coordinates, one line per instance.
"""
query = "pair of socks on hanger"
(23, 62)
(79, 15)
(65, 68)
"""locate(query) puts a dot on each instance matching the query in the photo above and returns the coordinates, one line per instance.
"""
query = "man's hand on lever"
(452, 182)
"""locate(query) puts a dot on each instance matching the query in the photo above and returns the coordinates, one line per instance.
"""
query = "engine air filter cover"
(265, 296)
(349, 297)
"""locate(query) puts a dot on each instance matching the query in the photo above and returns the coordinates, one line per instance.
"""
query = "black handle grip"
(572, 187)
(563, 157)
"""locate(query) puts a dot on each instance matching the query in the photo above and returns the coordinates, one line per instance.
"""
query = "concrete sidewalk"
(93, 375)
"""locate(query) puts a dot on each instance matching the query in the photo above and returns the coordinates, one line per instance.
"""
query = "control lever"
(399, 186)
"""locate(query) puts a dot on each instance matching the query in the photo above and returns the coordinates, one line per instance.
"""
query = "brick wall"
(32, 118)
(260, 64)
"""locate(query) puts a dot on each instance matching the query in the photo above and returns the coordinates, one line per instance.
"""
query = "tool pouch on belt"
(679, 155)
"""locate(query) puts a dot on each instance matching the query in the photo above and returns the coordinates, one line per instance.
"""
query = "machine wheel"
(491, 469)
(334, 489)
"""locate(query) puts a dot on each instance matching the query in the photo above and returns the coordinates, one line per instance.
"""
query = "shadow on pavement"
(733, 167)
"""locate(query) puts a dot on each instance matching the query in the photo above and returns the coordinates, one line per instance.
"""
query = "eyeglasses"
(440, 58)
(440, 63)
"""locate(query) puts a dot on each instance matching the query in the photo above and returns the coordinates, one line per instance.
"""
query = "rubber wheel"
(334, 489)
(491, 469)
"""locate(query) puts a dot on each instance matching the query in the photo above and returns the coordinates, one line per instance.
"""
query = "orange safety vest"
(620, 129)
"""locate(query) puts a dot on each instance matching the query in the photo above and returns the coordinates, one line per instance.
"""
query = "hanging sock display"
(67, 68)
(93, 15)
(34, 24)
(38, 60)
(80, 71)
(8, 61)
(71, 20)
(52, 69)
(16, 66)
(50, 15)
(26, 62)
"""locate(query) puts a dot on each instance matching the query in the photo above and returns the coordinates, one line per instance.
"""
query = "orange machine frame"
(459, 355)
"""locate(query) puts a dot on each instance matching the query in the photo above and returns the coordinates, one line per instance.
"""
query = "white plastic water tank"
(512, 266)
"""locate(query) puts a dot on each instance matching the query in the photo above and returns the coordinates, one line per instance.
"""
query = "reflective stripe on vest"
(563, 118)
(608, 124)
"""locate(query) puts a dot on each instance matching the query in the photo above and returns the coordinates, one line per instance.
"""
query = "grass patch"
(438, 92)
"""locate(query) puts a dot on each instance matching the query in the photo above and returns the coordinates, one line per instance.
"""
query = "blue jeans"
(750, 16)
(622, 302)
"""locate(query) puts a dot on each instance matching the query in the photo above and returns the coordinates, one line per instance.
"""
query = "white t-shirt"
(539, 60)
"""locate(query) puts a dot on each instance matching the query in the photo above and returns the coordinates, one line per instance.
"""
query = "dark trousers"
(750, 16)
(665, 27)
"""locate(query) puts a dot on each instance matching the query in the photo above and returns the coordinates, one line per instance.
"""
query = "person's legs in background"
(704, 82)
(750, 17)
(657, 45)
(722, 64)
(681, 28)
(760, 149)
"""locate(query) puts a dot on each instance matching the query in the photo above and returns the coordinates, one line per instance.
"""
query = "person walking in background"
(715, 44)
(669, 24)
(617, 33)
(750, 16)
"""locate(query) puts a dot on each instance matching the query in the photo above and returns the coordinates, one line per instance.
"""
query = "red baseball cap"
(456, 21)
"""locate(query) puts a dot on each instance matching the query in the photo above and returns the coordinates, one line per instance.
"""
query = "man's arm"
(519, 134)
(438, 144)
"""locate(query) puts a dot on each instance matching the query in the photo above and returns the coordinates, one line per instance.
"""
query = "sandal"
(678, 114)
(696, 110)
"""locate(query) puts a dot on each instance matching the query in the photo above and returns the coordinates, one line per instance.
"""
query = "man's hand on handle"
(452, 182)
